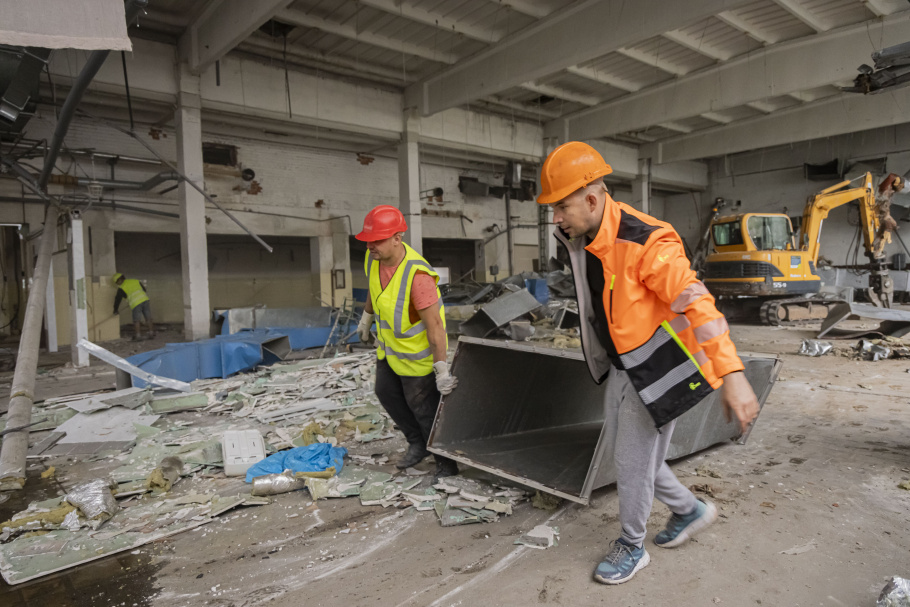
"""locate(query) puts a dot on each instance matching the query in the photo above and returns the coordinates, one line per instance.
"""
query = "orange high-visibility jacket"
(671, 339)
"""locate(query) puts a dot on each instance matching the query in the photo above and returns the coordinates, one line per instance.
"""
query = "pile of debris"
(145, 451)
(865, 349)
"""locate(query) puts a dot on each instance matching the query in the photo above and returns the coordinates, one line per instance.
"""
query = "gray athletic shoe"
(621, 563)
(681, 527)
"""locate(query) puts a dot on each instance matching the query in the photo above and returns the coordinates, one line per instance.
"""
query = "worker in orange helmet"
(411, 371)
(652, 326)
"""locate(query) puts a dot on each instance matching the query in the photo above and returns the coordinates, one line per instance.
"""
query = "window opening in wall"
(219, 153)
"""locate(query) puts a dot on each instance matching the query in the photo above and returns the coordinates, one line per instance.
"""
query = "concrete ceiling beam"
(432, 18)
(524, 57)
(773, 71)
(837, 115)
(221, 27)
(350, 32)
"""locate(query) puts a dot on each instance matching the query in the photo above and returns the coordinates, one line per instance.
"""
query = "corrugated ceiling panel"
(715, 34)
(837, 13)
(772, 22)
(482, 14)
(407, 30)
(696, 123)
(326, 9)
(741, 112)
(778, 103)
(627, 69)
(654, 133)
(665, 51)
(582, 86)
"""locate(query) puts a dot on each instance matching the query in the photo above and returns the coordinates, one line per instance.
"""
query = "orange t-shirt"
(423, 290)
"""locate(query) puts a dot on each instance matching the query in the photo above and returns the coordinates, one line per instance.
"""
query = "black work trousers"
(411, 402)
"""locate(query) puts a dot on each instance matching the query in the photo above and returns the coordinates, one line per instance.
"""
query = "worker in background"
(891, 185)
(651, 325)
(411, 370)
(135, 295)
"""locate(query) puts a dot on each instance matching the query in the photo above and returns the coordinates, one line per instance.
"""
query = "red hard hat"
(382, 222)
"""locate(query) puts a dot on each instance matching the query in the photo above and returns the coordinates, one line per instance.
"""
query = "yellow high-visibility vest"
(135, 294)
(403, 343)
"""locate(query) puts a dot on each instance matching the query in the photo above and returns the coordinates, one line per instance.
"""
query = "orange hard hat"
(382, 222)
(568, 168)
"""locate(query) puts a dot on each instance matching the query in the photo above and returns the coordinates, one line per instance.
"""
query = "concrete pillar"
(641, 186)
(321, 263)
(546, 242)
(78, 314)
(102, 326)
(193, 247)
(409, 180)
(50, 306)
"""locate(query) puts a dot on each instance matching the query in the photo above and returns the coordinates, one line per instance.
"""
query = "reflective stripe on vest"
(403, 343)
(135, 294)
(666, 375)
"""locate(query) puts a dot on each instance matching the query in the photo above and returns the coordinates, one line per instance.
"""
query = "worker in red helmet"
(411, 370)
(652, 326)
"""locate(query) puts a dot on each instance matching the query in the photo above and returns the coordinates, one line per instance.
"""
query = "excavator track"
(795, 311)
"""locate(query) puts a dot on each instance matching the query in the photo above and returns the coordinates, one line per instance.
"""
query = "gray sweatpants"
(639, 456)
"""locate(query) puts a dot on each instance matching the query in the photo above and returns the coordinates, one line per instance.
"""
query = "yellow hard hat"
(117, 276)
(568, 168)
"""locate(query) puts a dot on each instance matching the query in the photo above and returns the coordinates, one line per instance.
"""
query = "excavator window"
(769, 233)
(727, 234)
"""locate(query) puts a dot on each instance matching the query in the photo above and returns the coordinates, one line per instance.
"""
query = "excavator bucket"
(534, 415)
(893, 322)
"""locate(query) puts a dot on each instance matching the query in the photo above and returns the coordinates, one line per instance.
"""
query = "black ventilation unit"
(471, 186)
(828, 171)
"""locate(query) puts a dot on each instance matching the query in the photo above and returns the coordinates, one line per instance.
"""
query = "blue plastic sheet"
(221, 356)
(317, 457)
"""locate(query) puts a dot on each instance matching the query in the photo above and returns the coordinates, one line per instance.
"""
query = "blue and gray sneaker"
(681, 527)
(621, 563)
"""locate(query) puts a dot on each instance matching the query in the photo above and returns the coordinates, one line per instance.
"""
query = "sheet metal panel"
(535, 416)
(499, 312)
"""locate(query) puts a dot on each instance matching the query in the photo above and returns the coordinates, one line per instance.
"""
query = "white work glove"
(363, 328)
(445, 381)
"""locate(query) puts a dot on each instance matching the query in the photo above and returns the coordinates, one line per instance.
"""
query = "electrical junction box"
(240, 449)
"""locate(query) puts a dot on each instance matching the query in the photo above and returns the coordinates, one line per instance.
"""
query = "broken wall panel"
(535, 416)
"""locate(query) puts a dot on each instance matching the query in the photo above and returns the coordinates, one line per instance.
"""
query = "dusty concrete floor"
(820, 473)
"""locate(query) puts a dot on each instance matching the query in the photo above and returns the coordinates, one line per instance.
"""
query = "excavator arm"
(819, 205)
(881, 285)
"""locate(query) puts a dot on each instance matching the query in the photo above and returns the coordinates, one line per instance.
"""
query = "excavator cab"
(763, 232)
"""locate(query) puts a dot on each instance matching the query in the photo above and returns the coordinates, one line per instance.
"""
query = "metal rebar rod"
(22, 393)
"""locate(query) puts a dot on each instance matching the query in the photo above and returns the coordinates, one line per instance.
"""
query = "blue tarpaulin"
(222, 356)
(317, 457)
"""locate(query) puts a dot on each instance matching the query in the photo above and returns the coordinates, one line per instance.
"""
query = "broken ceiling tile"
(540, 537)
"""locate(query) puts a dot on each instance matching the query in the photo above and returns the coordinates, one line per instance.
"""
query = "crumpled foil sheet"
(872, 351)
(895, 594)
(94, 498)
(814, 347)
(273, 484)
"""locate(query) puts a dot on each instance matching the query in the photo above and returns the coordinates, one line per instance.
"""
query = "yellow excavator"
(758, 257)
